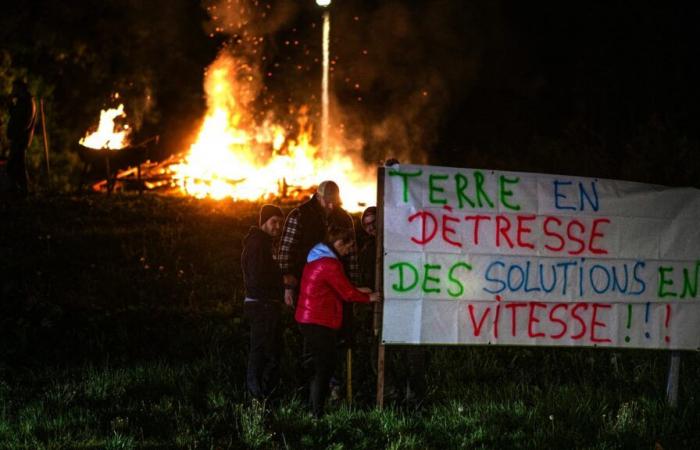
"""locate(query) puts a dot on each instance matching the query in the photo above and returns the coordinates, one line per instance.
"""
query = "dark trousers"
(319, 358)
(262, 376)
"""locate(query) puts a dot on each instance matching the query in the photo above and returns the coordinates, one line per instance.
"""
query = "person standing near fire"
(305, 227)
(263, 302)
(20, 131)
(324, 289)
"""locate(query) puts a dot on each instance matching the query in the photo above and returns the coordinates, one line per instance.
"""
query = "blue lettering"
(566, 266)
(494, 280)
(558, 195)
(554, 278)
(527, 278)
(593, 277)
(638, 279)
(583, 194)
(510, 279)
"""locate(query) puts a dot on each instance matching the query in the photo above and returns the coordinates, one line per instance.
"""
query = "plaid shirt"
(289, 249)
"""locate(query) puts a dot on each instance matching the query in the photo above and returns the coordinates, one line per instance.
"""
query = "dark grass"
(121, 328)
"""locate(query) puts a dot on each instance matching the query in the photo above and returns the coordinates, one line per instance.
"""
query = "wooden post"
(348, 375)
(379, 276)
(672, 382)
(46, 142)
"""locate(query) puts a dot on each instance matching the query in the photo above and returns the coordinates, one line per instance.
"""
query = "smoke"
(401, 66)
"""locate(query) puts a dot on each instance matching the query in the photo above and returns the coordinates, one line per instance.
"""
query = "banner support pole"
(672, 381)
(378, 286)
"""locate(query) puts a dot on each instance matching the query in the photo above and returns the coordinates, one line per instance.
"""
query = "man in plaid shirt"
(305, 227)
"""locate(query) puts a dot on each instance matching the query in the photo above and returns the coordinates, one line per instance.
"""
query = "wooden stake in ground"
(379, 276)
(46, 142)
(348, 373)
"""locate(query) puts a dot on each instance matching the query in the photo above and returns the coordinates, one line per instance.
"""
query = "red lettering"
(571, 236)
(531, 320)
(502, 227)
(522, 229)
(595, 323)
(579, 319)
(513, 313)
(553, 234)
(424, 215)
(477, 328)
(594, 234)
(446, 228)
(476, 219)
(495, 321)
(559, 321)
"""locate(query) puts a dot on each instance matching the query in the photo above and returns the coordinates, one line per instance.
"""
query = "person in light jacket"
(324, 289)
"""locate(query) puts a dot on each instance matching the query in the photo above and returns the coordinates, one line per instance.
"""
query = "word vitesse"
(470, 190)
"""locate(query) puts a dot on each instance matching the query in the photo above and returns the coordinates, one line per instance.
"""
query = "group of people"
(315, 270)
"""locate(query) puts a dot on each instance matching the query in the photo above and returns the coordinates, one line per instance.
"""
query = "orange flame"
(107, 136)
(233, 158)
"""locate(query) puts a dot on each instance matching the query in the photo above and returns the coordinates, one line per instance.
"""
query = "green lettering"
(479, 178)
(405, 176)
(687, 287)
(456, 281)
(401, 287)
(508, 193)
(663, 281)
(428, 268)
(462, 183)
(434, 189)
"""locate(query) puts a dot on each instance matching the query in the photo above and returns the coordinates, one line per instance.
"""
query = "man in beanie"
(263, 302)
(305, 227)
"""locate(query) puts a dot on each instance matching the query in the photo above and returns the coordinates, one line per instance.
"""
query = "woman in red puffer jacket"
(319, 311)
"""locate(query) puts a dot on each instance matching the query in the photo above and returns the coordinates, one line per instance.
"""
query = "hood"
(319, 251)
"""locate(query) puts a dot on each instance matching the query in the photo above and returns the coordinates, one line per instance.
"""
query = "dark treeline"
(599, 89)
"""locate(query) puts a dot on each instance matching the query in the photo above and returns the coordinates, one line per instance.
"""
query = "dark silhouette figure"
(20, 130)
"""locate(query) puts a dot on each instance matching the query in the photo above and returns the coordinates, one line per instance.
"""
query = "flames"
(236, 158)
(109, 135)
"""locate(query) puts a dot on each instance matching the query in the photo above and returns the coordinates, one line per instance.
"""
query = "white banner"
(487, 257)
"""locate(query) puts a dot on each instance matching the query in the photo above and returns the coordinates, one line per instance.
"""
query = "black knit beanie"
(268, 211)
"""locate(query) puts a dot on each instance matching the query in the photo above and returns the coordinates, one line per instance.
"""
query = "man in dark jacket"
(305, 227)
(20, 130)
(264, 291)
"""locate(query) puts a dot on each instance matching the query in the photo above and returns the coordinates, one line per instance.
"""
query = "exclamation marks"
(667, 322)
(646, 321)
(629, 320)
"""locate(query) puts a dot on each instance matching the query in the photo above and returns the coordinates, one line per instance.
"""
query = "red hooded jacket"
(324, 287)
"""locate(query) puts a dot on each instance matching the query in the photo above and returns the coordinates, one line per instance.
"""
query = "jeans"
(262, 376)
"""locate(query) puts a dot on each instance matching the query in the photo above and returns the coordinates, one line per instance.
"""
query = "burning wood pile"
(234, 157)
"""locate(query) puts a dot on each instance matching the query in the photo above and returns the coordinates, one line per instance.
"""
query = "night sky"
(605, 89)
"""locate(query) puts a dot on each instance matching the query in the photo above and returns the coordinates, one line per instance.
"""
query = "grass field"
(121, 327)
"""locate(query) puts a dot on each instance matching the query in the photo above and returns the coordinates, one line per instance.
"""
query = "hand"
(289, 297)
(365, 290)
(375, 297)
